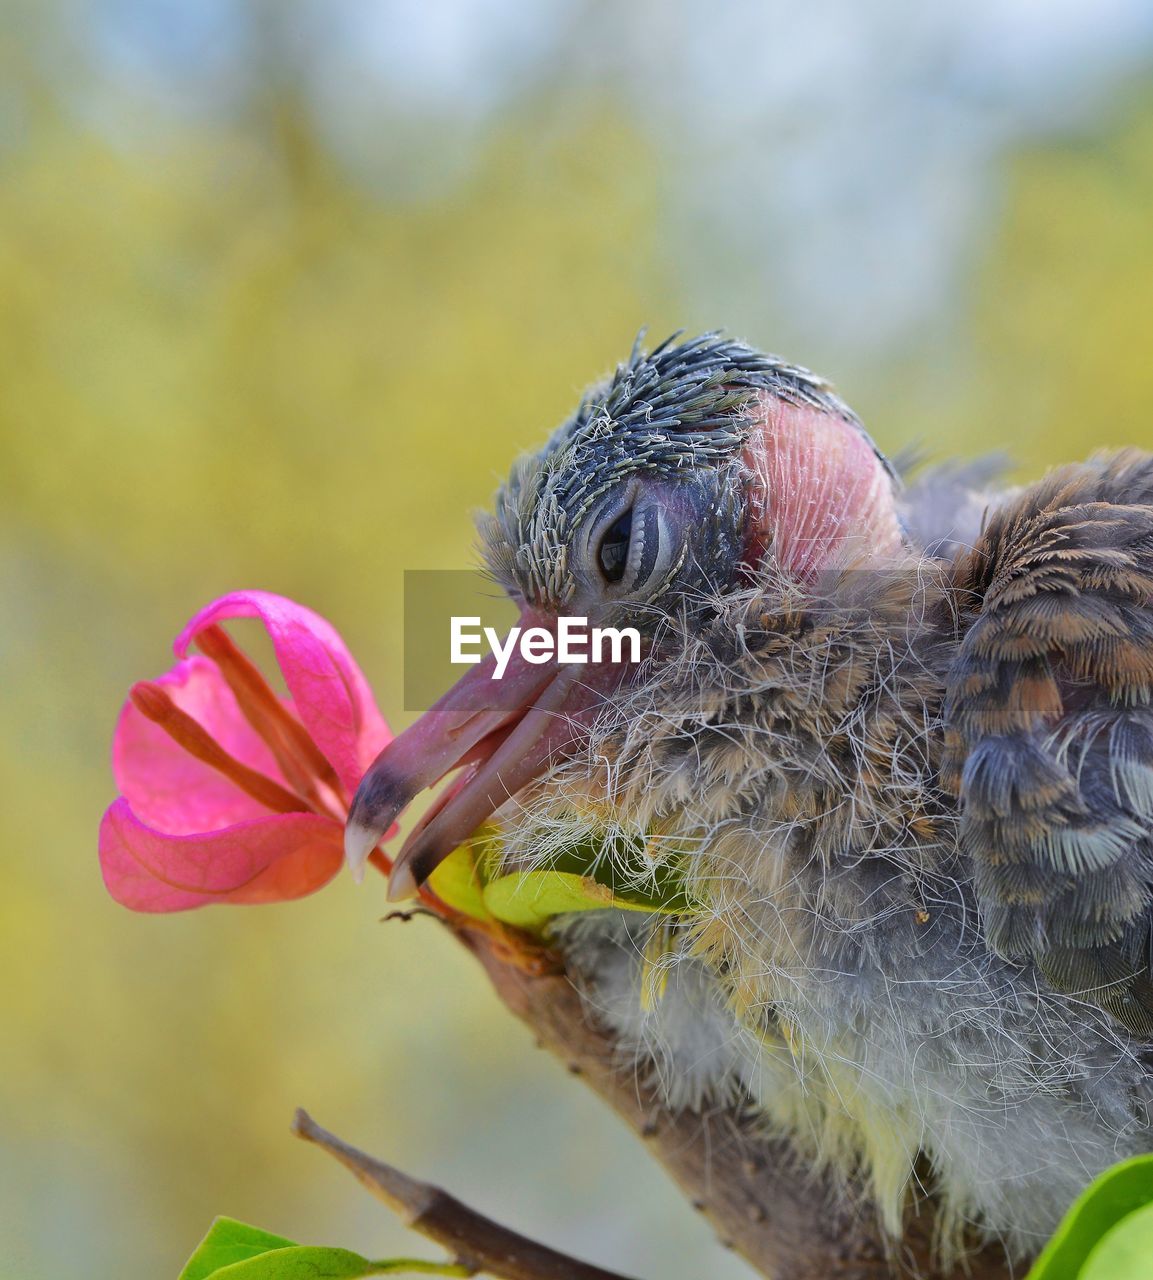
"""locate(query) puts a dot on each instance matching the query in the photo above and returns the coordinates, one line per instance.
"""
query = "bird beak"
(506, 732)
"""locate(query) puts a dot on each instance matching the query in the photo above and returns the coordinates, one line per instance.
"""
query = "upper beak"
(509, 731)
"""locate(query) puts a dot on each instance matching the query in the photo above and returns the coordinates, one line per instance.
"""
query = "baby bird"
(897, 742)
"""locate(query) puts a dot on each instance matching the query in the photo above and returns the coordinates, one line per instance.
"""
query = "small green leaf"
(529, 899)
(459, 883)
(1125, 1252)
(580, 878)
(1118, 1193)
(316, 1262)
(235, 1251)
(303, 1262)
(227, 1242)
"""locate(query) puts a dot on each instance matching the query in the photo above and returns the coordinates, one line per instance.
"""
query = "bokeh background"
(283, 286)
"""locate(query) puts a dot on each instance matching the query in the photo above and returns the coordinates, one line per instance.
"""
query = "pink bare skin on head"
(820, 497)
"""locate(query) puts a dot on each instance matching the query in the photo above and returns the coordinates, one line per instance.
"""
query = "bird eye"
(613, 554)
(636, 549)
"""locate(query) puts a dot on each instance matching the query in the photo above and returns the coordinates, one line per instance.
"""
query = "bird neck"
(835, 839)
(807, 706)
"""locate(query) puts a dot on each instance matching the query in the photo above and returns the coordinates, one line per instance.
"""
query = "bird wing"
(1049, 729)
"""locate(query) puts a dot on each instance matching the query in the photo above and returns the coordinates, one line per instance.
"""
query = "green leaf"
(227, 1242)
(304, 1262)
(316, 1262)
(459, 881)
(1125, 1252)
(529, 899)
(577, 879)
(1117, 1194)
(235, 1251)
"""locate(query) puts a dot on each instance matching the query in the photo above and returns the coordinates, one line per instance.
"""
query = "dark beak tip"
(380, 798)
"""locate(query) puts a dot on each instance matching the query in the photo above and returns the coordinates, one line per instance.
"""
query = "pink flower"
(230, 793)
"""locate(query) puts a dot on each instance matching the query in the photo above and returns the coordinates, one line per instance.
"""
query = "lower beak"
(508, 731)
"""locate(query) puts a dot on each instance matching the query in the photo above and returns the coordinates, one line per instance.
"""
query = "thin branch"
(475, 1242)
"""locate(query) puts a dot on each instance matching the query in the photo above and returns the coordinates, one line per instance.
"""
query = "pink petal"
(271, 859)
(168, 788)
(328, 689)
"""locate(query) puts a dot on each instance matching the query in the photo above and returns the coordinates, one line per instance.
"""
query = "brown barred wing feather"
(1049, 730)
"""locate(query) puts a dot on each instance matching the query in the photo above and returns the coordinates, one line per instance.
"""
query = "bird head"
(696, 470)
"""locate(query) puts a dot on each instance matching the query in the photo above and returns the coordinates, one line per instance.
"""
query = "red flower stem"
(300, 760)
(154, 702)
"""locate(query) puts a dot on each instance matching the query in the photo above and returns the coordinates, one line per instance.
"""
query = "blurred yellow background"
(283, 287)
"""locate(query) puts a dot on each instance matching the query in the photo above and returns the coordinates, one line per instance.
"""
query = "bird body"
(898, 744)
